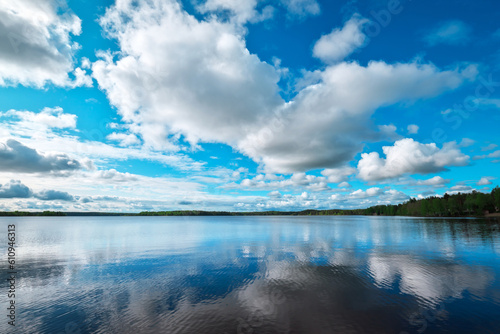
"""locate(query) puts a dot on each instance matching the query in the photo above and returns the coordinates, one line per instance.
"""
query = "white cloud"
(53, 195)
(275, 194)
(409, 157)
(136, 194)
(494, 154)
(197, 79)
(460, 188)
(389, 131)
(36, 46)
(340, 43)
(371, 192)
(24, 126)
(337, 175)
(342, 102)
(484, 181)
(336, 197)
(467, 142)
(14, 189)
(301, 8)
(452, 33)
(395, 196)
(242, 11)
(412, 129)
(436, 181)
(48, 117)
(296, 181)
(370, 197)
(490, 147)
(252, 11)
(124, 139)
(115, 176)
(16, 157)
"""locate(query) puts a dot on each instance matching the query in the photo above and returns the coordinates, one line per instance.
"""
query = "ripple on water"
(257, 275)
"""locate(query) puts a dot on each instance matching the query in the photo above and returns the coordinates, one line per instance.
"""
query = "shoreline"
(199, 213)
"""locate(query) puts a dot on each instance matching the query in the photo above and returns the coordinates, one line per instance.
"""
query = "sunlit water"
(253, 275)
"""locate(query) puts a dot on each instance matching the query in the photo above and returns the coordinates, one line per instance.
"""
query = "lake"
(302, 274)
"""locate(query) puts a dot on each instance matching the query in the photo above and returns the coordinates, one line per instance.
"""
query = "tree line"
(456, 205)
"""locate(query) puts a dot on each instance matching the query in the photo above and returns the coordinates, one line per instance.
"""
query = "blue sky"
(246, 105)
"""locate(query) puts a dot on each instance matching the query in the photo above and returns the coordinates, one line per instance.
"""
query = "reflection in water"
(256, 275)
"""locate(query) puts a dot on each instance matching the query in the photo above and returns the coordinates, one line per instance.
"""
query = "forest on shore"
(458, 205)
(473, 204)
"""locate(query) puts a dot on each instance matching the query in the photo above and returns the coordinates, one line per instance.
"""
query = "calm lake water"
(227, 275)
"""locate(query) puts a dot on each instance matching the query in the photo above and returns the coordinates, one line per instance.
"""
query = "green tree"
(437, 206)
(495, 194)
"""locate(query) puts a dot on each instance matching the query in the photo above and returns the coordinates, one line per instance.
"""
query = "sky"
(246, 105)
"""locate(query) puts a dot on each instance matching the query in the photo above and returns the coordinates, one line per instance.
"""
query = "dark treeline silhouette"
(28, 213)
(458, 205)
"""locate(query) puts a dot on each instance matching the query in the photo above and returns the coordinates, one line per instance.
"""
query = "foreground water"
(253, 275)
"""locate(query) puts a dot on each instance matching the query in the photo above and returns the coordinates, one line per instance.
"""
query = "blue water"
(253, 275)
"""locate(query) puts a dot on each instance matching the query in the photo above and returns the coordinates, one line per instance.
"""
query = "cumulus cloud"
(15, 189)
(52, 195)
(48, 117)
(436, 181)
(467, 142)
(242, 11)
(460, 188)
(196, 77)
(342, 102)
(395, 196)
(371, 192)
(198, 80)
(252, 11)
(484, 181)
(412, 129)
(304, 200)
(389, 132)
(114, 175)
(36, 46)
(489, 147)
(337, 175)
(451, 32)
(374, 196)
(301, 8)
(16, 157)
(495, 154)
(275, 194)
(21, 126)
(296, 181)
(124, 139)
(409, 157)
(341, 42)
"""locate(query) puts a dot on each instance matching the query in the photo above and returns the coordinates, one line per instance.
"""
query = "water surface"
(254, 275)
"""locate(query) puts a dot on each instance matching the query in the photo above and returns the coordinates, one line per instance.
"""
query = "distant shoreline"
(461, 205)
(196, 213)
